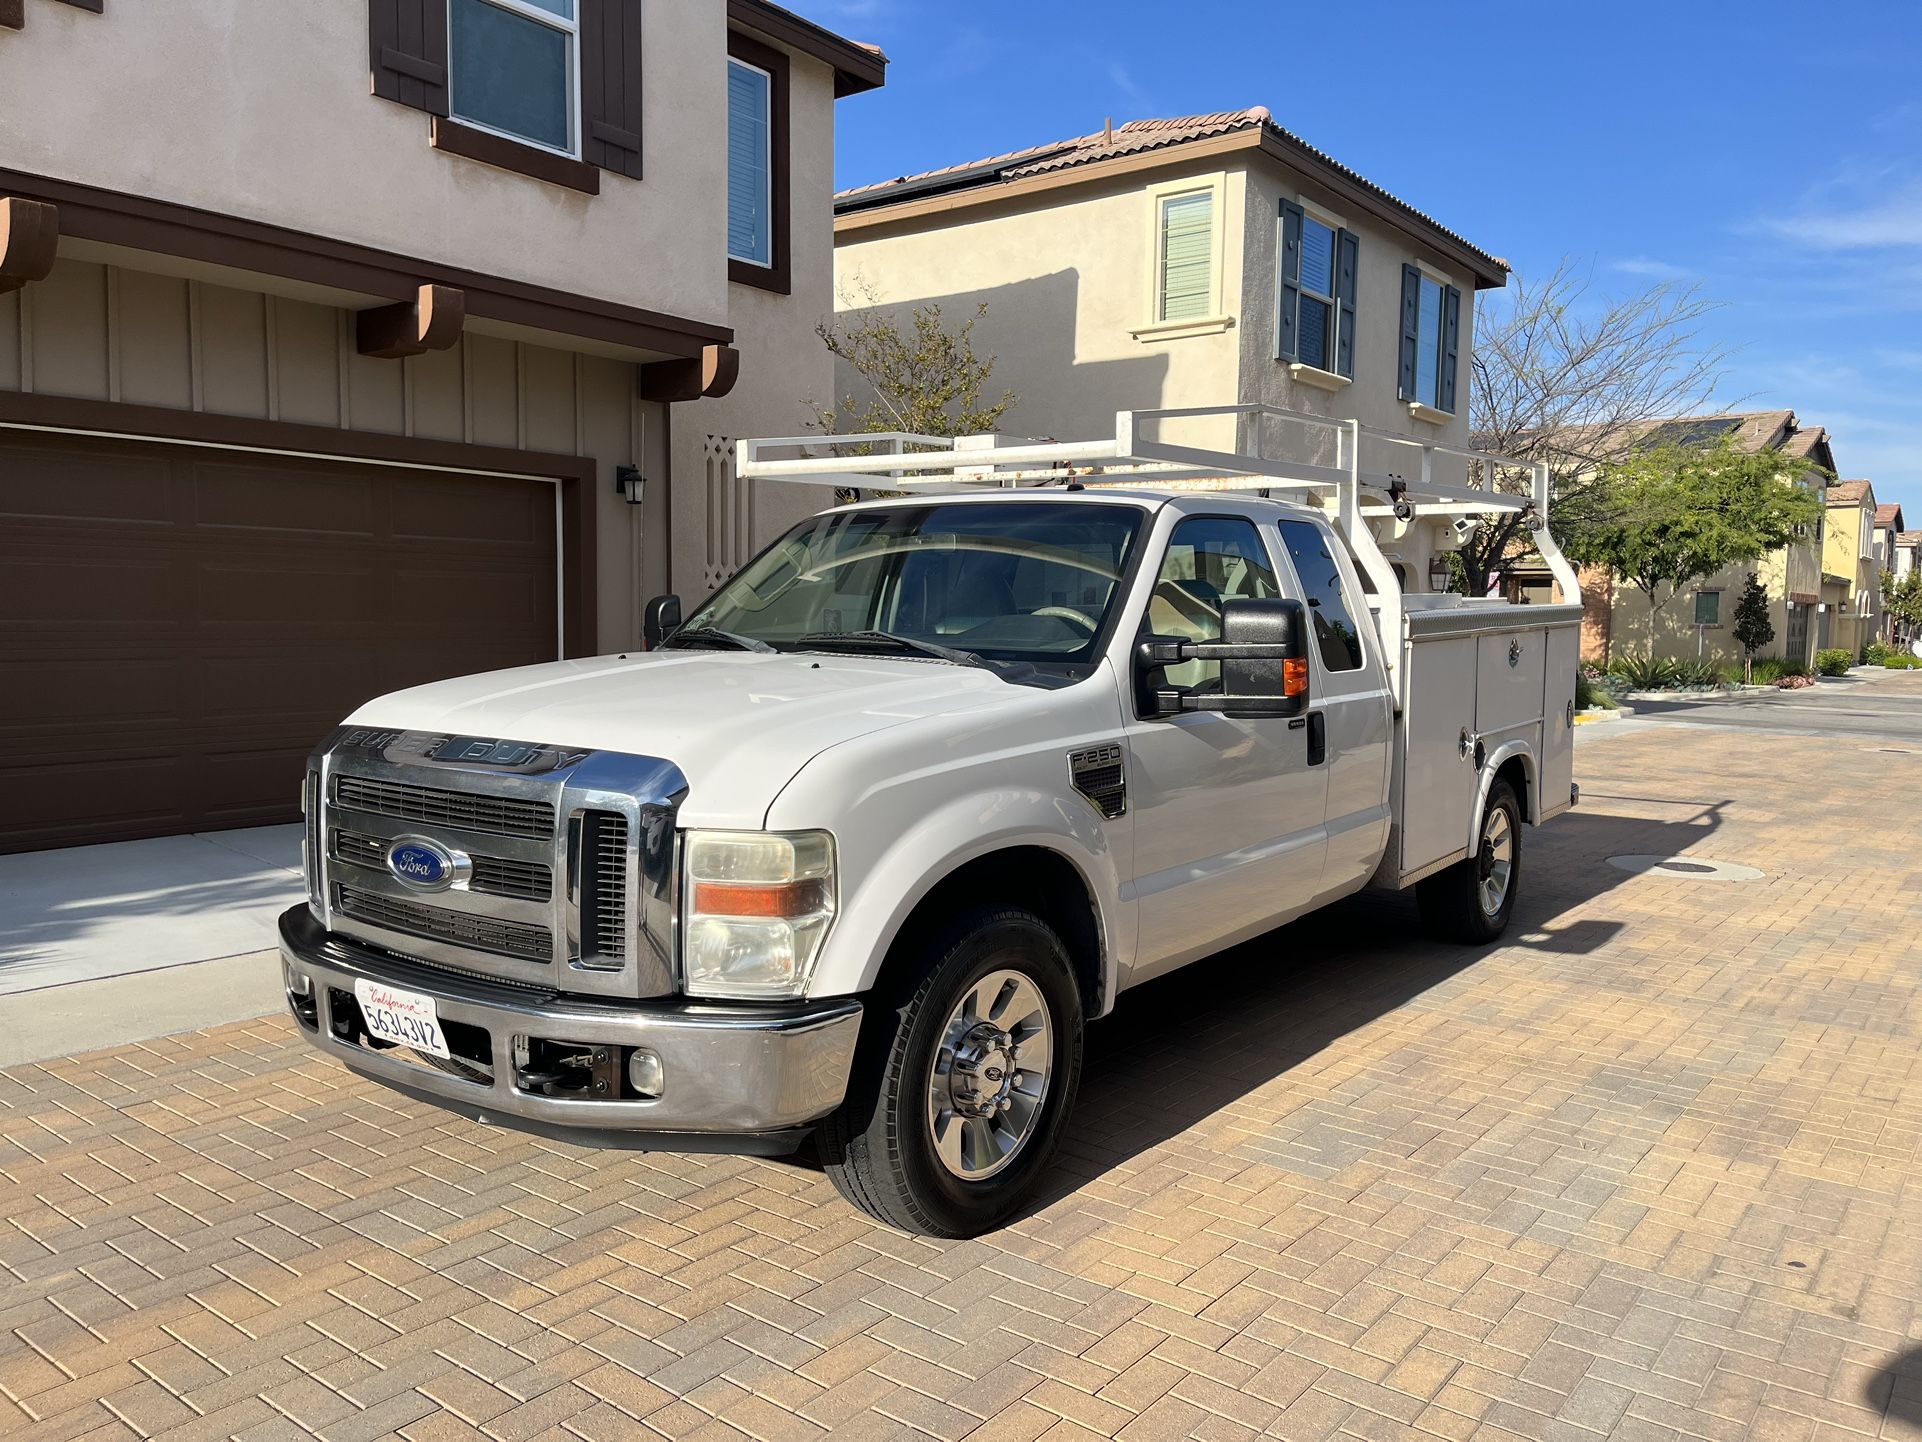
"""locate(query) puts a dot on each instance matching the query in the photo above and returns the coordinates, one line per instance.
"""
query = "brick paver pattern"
(1648, 1170)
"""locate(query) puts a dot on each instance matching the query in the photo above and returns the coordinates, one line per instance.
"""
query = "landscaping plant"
(1834, 660)
(1753, 628)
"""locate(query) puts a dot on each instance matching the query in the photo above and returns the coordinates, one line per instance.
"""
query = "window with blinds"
(1184, 272)
(750, 171)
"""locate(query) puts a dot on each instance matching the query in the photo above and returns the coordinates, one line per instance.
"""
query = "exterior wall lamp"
(630, 484)
(1438, 572)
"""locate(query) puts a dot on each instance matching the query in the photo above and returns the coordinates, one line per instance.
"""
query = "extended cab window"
(1336, 633)
(1210, 559)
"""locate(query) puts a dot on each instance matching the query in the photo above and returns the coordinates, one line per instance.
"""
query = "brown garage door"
(179, 626)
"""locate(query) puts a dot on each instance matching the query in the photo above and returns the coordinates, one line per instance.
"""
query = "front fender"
(877, 901)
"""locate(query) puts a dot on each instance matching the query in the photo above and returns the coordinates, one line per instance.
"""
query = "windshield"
(1021, 581)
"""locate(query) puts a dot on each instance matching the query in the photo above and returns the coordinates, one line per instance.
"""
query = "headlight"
(758, 904)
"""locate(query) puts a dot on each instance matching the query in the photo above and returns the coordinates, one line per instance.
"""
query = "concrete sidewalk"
(136, 939)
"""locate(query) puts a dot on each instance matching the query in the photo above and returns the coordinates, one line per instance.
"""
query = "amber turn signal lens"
(1294, 676)
(783, 899)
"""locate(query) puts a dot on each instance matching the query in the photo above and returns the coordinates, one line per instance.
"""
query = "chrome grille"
(496, 875)
(603, 888)
(467, 810)
(484, 933)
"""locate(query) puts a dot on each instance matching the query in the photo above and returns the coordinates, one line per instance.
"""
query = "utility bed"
(1479, 682)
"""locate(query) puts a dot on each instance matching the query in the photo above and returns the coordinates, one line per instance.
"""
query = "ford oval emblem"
(421, 864)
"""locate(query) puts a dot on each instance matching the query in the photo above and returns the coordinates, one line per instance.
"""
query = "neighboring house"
(1700, 621)
(1202, 261)
(328, 334)
(1888, 525)
(1851, 614)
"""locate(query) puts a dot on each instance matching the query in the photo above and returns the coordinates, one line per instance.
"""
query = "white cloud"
(1890, 220)
(1651, 268)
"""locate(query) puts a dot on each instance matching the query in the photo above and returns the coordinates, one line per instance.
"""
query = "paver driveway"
(1650, 1169)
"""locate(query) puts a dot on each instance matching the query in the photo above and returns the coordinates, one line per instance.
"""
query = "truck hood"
(738, 724)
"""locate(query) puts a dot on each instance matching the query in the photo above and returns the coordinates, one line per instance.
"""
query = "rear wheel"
(964, 1084)
(1472, 900)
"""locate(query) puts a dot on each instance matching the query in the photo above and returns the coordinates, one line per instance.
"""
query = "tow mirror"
(1263, 656)
(660, 618)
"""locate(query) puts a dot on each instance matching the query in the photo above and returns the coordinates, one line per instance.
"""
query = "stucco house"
(1204, 260)
(348, 344)
(1701, 620)
(1851, 614)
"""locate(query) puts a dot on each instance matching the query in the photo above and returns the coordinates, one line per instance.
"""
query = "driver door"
(1230, 832)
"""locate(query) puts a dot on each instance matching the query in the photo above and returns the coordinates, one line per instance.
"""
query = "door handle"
(1317, 738)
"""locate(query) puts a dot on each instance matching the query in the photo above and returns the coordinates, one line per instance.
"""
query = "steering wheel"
(1068, 613)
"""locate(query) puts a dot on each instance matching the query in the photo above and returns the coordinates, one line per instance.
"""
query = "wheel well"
(1033, 877)
(1515, 772)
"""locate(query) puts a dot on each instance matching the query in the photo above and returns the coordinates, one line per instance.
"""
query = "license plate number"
(405, 1018)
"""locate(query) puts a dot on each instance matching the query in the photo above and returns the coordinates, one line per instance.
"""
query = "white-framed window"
(514, 69)
(1320, 259)
(1428, 357)
(750, 163)
(1184, 256)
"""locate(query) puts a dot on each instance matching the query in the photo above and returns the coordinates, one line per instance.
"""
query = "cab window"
(1336, 634)
(1210, 559)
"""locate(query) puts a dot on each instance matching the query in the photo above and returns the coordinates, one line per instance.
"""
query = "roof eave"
(1489, 273)
(857, 68)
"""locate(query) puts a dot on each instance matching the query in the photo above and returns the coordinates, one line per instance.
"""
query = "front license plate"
(405, 1018)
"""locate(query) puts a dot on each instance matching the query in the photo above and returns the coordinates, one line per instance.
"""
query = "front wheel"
(1472, 900)
(954, 1114)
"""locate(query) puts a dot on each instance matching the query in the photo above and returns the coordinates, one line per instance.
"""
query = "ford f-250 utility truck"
(858, 849)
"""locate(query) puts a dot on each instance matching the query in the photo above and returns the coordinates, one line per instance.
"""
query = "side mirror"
(1264, 663)
(660, 618)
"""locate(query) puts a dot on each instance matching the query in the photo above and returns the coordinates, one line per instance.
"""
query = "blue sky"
(1770, 151)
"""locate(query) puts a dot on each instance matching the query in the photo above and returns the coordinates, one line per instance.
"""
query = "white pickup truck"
(857, 850)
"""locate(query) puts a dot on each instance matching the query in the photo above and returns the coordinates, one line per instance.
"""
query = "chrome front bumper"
(737, 1078)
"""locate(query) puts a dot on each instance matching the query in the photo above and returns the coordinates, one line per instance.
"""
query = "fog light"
(298, 983)
(644, 1073)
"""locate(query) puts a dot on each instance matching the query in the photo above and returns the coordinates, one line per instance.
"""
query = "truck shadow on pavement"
(1179, 1049)
(1896, 1388)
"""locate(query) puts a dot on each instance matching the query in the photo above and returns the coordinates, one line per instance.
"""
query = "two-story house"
(1851, 575)
(354, 343)
(1207, 260)
(1700, 622)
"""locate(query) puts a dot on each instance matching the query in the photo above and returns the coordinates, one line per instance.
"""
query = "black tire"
(1452, 902)
(879, 1147)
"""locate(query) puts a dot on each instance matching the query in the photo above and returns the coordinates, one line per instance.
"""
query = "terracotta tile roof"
(1888, 515)
(1134, 138)
(1847, 493)
(1908, 538)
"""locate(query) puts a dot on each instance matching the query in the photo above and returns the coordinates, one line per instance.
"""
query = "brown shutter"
(611, 85)
(407, 45)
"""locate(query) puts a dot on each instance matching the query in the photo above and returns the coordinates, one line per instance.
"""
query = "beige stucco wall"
(720, 522)
(263, 110)
(1065, 285)
(1637, 630)
(107, 333)
(1847, 528)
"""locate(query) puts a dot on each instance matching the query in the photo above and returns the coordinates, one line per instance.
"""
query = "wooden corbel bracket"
(29, 240)
(432, 321)
(708, 376)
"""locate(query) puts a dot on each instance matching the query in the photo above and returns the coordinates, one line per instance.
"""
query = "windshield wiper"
(714, 636)
(867, 640)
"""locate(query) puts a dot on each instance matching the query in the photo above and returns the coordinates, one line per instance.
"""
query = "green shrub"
(1642, 673)
(1698, 673)
(1834, 660)
(1901, 661)
(1770, 669)
(1589, 694)
(1875, 653)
